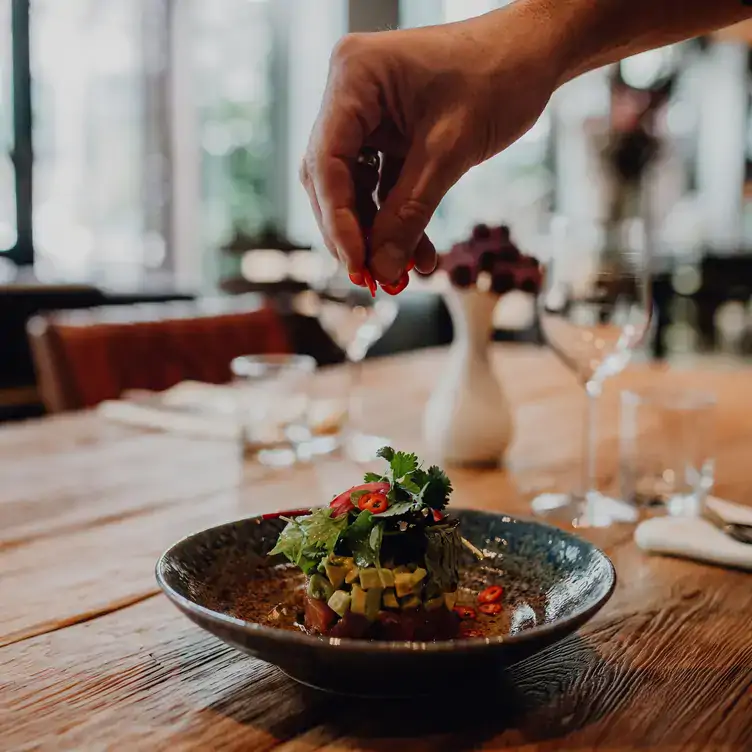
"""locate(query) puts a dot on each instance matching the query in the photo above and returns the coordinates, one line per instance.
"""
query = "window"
(232, 44)
(92, 164)
(7, 174)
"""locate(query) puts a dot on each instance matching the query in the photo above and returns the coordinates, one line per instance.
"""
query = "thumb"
(423, 181)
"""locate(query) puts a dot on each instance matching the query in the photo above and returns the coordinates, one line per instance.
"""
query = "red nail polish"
(398, 286)
(370, 282)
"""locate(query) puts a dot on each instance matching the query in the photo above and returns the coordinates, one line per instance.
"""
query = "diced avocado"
(339, 602)
(403, 583)
(433, 603)
(450, 599)
(390, 599)
(373, 603)
(412, 601)
(369, 578)
(358, 602)
(336, 574)
(352, 575)
(319, 588)
(387, 577)
(419, 575)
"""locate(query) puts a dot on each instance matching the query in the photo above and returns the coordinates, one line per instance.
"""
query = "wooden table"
(93, 657)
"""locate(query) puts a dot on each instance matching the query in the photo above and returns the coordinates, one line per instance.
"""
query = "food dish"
(382, 561)
(226, 581)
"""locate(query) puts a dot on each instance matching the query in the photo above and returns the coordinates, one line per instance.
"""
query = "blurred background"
(149, 152)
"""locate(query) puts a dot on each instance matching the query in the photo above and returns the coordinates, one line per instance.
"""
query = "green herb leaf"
(410, 486)
(290, 542)
(386, 453)
(399, 508)
(435, 493)
(402, 464)
(364, 538)
(305, 541)
(372, 478)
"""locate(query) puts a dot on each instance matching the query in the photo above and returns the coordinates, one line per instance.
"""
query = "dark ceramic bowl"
(553, 583)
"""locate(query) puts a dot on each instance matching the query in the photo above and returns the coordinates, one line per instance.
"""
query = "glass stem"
(593, 391)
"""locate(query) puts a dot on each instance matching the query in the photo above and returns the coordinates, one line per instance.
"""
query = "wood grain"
(93, 658)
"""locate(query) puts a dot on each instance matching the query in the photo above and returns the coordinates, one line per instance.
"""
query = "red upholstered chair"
(85, 357)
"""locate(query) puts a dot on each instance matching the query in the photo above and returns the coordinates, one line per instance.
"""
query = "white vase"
(467, 420)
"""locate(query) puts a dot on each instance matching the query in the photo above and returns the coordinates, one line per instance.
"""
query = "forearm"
(587, 34)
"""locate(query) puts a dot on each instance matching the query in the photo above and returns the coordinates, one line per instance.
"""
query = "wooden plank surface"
(94, 659)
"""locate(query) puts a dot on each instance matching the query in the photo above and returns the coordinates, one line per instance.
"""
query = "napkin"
(157, 417)
(218, 411)
(696, 538)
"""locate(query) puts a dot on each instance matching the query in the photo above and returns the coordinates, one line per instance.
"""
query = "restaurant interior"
(159, 162)
(165, 293)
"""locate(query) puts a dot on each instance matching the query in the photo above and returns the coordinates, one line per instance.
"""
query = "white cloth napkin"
(156, 417)
(220, 411)
(696, 538)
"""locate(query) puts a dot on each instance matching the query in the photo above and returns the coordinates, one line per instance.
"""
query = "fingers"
(349, 112)
(425, 252)
(399, 229)
(425, 255)
(305, 179)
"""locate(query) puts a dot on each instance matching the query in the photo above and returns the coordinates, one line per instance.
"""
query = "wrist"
(558, 34)
(542, 34)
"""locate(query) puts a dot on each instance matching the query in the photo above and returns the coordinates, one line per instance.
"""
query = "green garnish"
(413, 492)
(364, 538)
(305, 541)
(432, 487)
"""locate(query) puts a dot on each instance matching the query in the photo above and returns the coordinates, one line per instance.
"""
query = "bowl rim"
(349, 644)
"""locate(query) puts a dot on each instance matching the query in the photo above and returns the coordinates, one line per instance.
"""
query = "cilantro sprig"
(430, 488)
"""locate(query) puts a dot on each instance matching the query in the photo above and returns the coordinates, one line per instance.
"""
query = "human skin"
(436, 101)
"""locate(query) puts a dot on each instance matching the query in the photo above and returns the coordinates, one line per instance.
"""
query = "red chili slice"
(370, 282)
(490, 594)
(465, 612)
(398, 286)
(343, 503)
(490, 609)
(376, 503)
(437, 515)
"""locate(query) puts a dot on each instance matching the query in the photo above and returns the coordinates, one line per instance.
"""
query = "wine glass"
(355, 320)
(595, 309)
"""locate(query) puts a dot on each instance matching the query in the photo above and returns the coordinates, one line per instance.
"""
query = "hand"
(435, 101)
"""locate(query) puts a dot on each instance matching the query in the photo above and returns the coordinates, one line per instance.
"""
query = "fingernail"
(388, 263)
(357, 279)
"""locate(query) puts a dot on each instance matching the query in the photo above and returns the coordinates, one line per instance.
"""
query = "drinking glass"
(355, 321)
(595, 309)
(665, 449)
(272, 398)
